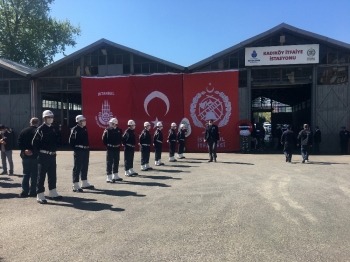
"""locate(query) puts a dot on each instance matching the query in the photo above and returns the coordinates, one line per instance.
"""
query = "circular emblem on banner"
(311, 52)
(104, 116)
(210, 105)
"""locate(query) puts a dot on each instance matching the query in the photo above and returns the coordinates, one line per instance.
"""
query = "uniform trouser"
(46, 165)
(212, 145)
(8, 154)
(145, 153)
(343, 148)
(158, 151)
(305, 152)
(30, 172)
(81, 164)
(288, 151)
(172, 148)
(181, 146)
(128, 157)
(112, 159)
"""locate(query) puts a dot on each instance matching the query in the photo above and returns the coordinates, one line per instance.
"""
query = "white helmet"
(182, 125)
(159, 124)
(47, 113)
(79, 118)
(131, 123)
(173, 124)
(113, 120)
(146, 124)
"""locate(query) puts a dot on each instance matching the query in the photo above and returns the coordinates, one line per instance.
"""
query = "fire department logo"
(104, 116)
(210, 105)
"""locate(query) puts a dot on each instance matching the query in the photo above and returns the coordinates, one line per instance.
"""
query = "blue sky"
(185, 32)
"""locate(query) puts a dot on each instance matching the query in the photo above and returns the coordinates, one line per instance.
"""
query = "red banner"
(157, 98)
(104, 98)
(212, 95)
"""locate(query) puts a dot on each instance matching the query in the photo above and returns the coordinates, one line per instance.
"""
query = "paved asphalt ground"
(242, 208)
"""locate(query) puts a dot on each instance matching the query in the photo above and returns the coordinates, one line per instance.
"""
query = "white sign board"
(282, 55)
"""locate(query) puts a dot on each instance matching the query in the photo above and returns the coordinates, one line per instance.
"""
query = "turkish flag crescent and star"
(103, 99)
(212, 95)
(157, 98)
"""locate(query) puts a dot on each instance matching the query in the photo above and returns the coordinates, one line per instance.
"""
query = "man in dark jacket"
(79, 141)
(129, 142)
(344, 136)
(172, 142)
(305, 141)
(212, 137)
(29, 159)
(288, 141)
(112, 138)
(158, 144)
(6, 142)
(317, 140)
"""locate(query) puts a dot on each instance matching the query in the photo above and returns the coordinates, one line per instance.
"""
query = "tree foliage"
(29, 35)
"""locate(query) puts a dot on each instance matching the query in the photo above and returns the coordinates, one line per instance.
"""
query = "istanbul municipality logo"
(254, 58)
(104, 116)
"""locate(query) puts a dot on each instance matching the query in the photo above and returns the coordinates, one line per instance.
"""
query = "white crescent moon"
(210, 90)
(155, 94)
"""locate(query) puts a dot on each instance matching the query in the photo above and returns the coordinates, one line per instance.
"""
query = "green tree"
(29, 35)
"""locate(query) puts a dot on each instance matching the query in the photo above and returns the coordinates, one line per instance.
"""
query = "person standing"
(212, 137)
(181, 136)
(79, 141)
(277, 134)
(145, 144)
(112, 138)
(158, 144)
(129, 142)
(44, 144)
(305, 141)
(288, 141)
(344, 136)
(6, 141)
(172, 142)
(317, 140)
(29, 158)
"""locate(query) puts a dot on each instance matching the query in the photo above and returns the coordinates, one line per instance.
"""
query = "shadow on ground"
(170, 171)
(84, 204)
(115, 192)
(160, 177)
(8, 195)
(238, 163)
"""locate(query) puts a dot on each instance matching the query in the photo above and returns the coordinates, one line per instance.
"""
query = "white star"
(155, 122)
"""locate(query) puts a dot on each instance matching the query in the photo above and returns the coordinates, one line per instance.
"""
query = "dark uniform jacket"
(305, 137)
(158, 137)
(79, 138)
(172, 135)
(212, 133)
(44, 139)
(25, 139)
(8, 138)
(145, 138)
(112, 137)
(181, 135)
(288, 137)
(317, 136)
(344, 136)
(129, 138)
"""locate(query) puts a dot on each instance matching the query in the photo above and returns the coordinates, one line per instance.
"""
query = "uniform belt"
(145, 145)
(181, 139)
(80, 146)
(172, 140)
(130, 145)
(159, 141)
(113, 145)
(47, 152)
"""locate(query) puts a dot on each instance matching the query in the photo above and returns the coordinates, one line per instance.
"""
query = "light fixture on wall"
(104, 51)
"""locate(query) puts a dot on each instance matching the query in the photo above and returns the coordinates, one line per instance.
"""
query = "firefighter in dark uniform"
(212, 137)
(288, 141)
(344, 136)
(44, 144)
(158, 144)
(112, 138)
(29, 159)
(129, 142)
(181, 136)
(305, 139)
(172, 142)
(79, 141)
(145, 144)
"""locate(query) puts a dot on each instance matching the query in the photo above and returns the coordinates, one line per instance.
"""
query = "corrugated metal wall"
(332, 112)
(243, 105)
